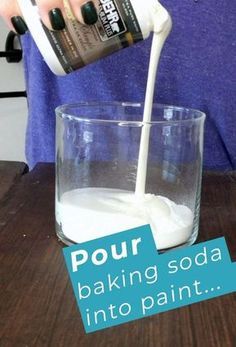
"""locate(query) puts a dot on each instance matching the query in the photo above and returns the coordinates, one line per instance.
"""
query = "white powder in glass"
(90, 213)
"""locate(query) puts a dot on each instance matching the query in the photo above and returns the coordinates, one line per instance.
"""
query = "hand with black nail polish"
(10, 12)
(52, 13)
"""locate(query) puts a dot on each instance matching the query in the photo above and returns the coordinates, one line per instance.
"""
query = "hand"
(52, 13)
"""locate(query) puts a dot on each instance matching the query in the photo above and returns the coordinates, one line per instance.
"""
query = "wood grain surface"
(37, 303)
(10, 172)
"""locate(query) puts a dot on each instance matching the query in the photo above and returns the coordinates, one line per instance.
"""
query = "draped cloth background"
(197, 70)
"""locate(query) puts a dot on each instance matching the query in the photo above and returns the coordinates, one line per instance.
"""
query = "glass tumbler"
(114, 172)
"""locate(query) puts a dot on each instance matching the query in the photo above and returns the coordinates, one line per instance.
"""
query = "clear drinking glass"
(101, 185)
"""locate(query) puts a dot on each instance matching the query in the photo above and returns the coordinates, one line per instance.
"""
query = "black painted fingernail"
(89, 13)
(56, 19)
(19, 25)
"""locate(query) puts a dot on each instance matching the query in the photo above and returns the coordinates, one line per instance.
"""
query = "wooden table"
(37, 303)
(10, 173)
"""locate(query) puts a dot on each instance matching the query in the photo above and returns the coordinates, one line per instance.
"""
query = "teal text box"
(121, 278)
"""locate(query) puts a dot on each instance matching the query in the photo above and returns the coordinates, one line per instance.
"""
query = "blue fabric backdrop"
(197, 70)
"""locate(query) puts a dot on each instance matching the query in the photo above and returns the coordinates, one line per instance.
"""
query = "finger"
(52, 13)
(85, 11)
(12, 15)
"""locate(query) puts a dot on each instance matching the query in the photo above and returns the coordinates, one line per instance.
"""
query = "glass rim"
(62, 112)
